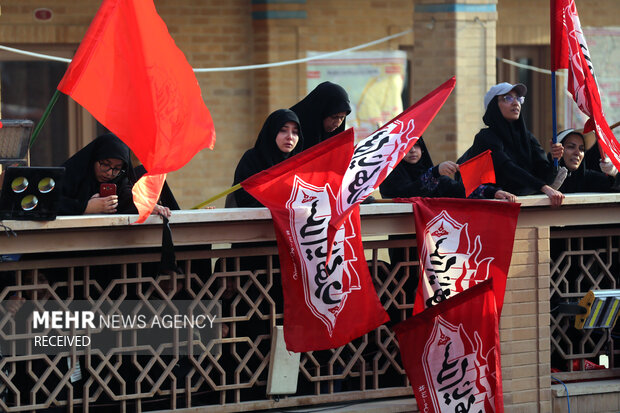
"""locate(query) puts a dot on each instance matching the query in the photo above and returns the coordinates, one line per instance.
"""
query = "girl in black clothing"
(580, 177)
(521, 165)
(415, 175)
(104, 160)
(279, 138)
(322, 113)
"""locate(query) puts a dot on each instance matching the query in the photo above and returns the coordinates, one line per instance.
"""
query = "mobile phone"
(107, 190)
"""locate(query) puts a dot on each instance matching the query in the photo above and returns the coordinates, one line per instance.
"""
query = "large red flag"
(570, 50)
(326, 303)
(451, 354)
(477, 171)
(129, 74)
(462, 242)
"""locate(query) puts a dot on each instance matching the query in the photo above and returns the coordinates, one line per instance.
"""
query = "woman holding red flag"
(581, 178)
(520, 163)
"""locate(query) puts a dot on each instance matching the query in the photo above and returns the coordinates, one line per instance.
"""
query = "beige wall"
(214, 33)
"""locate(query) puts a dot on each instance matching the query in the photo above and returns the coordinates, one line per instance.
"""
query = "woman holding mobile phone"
(98, 179)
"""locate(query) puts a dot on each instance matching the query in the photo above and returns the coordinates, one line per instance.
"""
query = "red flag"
(462, 242)
(581, 78)
(477, 171)
(451, 354)
(378, 154)
(129, 74)
(326, 303)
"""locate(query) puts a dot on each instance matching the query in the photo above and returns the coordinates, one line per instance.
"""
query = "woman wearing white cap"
(580, 177)
(521, 165)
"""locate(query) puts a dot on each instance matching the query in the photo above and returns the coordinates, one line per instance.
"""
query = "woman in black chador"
(279, 139)
(521, 165)
(415, 175)
(322, 113)
(104, 160)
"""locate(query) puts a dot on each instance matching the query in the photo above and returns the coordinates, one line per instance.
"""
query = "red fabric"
(129, 74)
(451, 354)
(581, 78)
(462, 242)
(325, 305)
(559, 46)
(477, 171)
(378, 154)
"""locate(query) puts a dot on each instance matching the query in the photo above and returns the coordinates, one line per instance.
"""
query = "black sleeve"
(398, 185)
(71, 206)
(596, 181)
(125, 197)
(504, 165)
(542, 164)
(246, 168)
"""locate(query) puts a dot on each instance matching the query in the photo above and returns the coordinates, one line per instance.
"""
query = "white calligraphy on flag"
(326, 287)
(373, 159)
(451, 262)
(459, 370)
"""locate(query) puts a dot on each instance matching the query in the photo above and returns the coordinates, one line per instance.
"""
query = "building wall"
(215, 33)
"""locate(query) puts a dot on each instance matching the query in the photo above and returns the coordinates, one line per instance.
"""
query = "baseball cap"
(502, 89)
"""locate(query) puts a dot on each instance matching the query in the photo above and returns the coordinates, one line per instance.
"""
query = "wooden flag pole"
(46, 115)
(218, 196)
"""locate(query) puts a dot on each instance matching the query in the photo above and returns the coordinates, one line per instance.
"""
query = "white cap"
(567, 132)
(502, 89)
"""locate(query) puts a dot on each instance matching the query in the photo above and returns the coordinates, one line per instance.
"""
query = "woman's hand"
(448, 168)
(162, 211)
(99, 205)
(557, 150)
(555, 197)
(506, 196)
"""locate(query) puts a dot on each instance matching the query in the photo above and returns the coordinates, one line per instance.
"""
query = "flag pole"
(554, 115)
(218, 196)
(46, 115)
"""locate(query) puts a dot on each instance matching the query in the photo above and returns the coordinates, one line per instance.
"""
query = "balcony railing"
(559, 255)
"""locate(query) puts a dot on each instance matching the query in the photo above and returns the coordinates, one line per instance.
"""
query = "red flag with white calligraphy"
(326, 303)
(567, 33)
(378, 154)
(452, 357)
(462, 242)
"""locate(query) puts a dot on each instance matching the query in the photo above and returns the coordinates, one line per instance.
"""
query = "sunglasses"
(510, 99)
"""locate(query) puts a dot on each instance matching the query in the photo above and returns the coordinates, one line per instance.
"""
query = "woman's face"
(573, 151)
(287, 137)
(510, 105)
(332, 122)
(107, 169)
(414, 154)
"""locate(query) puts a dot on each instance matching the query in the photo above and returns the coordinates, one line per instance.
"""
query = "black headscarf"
(80, 182)
(265, 153)
(585, 179)
(325, 100)
(520, 163)
(404, 181)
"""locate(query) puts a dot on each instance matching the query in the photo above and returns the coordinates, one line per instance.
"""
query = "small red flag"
(477, 171)
(462, 242)
(328, 301)
(129, 74)
(451, 354)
